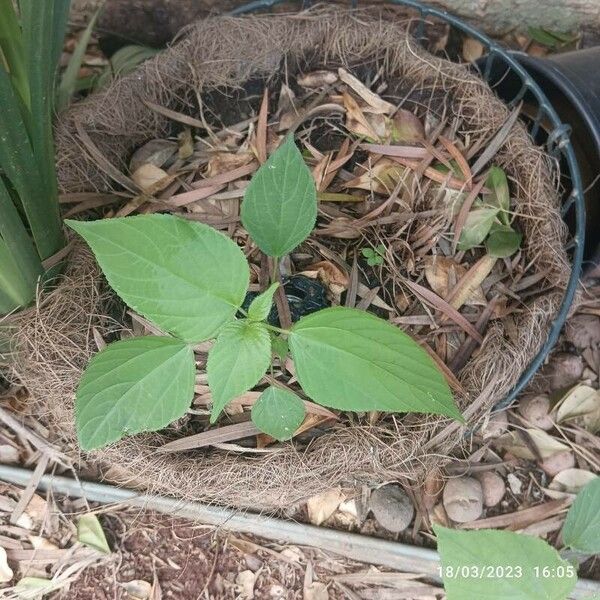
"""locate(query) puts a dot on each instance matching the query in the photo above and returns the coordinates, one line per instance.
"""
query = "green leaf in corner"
(581, 530)
(473, 563)
(351, 360)
(477, 226)
(279, 209)
(503, 241)
(237, 362)
(133, 385)
(500, 197)
(278, 413)
(261, 305)
(184, 276)
(91, 534)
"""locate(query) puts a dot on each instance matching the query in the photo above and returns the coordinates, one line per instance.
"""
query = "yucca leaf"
(11, 44)
(69, 79)
(44, 25)
(20, 166)
(15, 291)
(17, 240)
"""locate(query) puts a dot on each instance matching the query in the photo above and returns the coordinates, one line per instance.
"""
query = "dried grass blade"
(261, 129)
(461, 218)
(103, 163)
(451, 379)
(399, 151)
(227, 433)
(470, 281)
(496, 142)
(441, 305)
(174, 115)
(452, 182)
(372, 99)
(461, 161)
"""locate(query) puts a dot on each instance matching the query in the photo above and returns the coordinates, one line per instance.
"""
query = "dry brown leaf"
(322, 506)
(224, 162)
(472, 49)
(376, 103)
(380, 178)
(316, 79)
(155, 152)
(468, 289)
(582, 402)
(358, 123)
(329, 274)
(150, 177)
(571, 481)
(441, 270)
(406, 128)
(546, 445)
(185, 142)
(6, 573)
(316, 591)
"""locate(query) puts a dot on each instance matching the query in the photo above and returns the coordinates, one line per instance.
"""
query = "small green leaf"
(500, 196)
(279, 347)
(279, 209)
(236, 363)
(502, 565)
(184, 276)
(368, 252)
(351, 360)
(503, 241)
(91, 534)
(133, 385)
(34, 587)
(278, 413)
(581, 530)
(261, 305)
(477, 226)
(551, 39)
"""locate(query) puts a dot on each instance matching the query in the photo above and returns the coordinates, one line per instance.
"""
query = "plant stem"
(277, 329)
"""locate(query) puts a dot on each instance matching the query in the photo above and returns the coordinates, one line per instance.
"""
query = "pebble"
(493, 487)
(463, 499)
(392, 507)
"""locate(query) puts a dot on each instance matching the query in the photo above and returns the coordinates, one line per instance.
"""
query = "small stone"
(515, 484)
(493, 487)
(463, 499)
(536, 411)
(564, 370)
(558, 462)
(392, 507)
(583, 331)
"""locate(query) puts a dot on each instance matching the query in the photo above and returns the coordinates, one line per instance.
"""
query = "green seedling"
(375, 256)
(191, 280)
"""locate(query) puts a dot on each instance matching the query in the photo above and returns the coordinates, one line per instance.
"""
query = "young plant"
(30, 226)
(519, 566)
(190, 280)
(489, 221)
(375, 256)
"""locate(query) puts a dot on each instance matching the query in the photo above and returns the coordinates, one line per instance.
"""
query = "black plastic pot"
(571, 82)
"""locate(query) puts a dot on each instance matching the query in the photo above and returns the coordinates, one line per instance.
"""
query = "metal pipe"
(393, 555)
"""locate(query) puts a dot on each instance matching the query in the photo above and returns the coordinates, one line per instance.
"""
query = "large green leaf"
(501, 565)
(351, 360)
(184, 276)
(581, 530)
(134, 385)
(279, 209)
(237, 361)
(278, 413)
